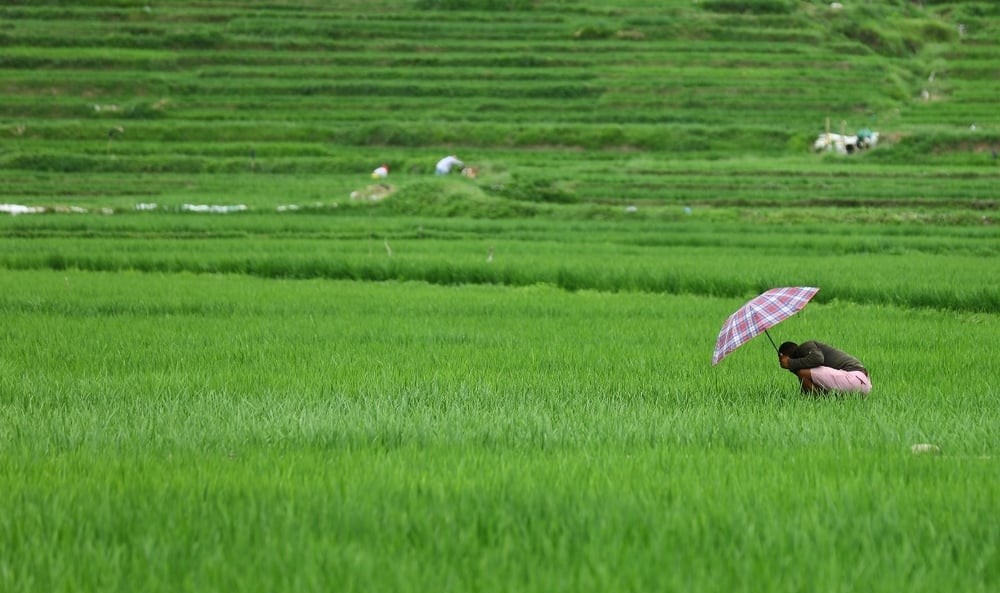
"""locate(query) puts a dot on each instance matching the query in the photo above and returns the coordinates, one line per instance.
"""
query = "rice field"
(231, 360)
(117, 103)
(205, 432)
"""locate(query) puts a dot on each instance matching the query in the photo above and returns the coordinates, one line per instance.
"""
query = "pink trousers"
(834, 380)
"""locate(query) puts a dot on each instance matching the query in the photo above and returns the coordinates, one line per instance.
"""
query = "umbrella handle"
(772, 341)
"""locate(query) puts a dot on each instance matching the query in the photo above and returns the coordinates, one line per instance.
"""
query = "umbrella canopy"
(758, 315)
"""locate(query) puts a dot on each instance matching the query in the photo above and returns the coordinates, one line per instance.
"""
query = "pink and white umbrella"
(758, 315)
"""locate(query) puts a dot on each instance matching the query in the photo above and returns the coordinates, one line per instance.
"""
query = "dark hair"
(787, 348)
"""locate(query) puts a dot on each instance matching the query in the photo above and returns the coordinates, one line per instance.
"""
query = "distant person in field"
(381, 172)
(821, 368)
(445, 165)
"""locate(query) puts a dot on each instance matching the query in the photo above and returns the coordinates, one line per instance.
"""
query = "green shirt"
(813, 354)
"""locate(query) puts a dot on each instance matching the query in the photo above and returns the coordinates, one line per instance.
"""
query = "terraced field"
(636, 102)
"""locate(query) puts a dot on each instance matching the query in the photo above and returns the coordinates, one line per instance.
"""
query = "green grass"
(500, 383)
(209, 432)
(317, 91)
(861, 262)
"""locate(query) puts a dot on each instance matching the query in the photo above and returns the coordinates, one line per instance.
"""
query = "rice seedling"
(197, 431)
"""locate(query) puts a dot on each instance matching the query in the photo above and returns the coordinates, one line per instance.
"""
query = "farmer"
(822, 368)
(444, 166)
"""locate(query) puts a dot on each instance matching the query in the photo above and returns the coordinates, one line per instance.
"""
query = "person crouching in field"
(822, 368)
(445, 165)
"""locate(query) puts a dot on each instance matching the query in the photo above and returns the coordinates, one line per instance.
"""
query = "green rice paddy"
(219, 371)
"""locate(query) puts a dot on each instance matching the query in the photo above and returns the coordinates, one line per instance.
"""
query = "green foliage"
(448, 199)
(957, 148)
(499, 383)
(593, 32)
(893, 32)
(423, 232)
(512, 437)
(934, 31)
(501, 5)
(885, 40)
(536, 190)
(271, 75)
(749, 6)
